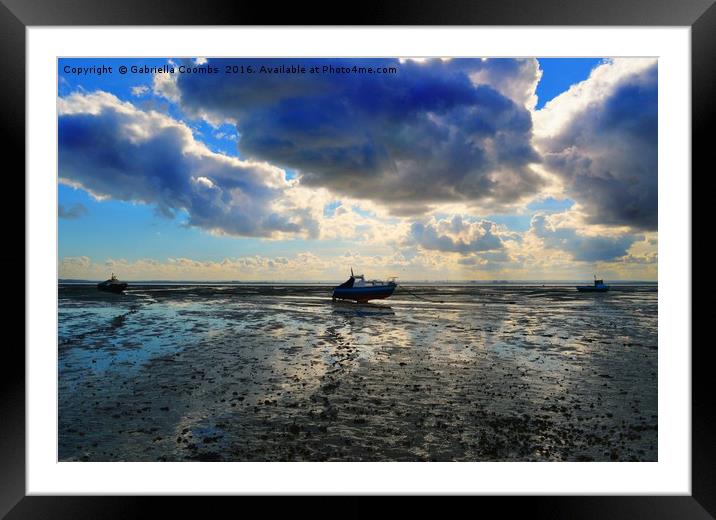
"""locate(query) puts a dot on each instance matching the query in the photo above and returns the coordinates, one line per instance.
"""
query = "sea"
(499, 371)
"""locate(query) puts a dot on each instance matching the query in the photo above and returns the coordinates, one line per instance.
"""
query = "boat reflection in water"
(358, 289)
(350, 309)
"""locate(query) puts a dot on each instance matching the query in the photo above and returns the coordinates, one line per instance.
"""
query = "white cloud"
(139, 90)
(165, 85)
(557, 113)
(516, 79)
(456, 235)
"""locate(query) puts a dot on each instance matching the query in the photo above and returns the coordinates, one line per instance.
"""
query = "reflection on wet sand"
(360, 310)
(259, 373)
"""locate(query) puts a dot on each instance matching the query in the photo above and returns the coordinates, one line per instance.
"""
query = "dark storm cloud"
(427, 134)
(75, 211)
(115, 150)
(607, 154)
(583, 248)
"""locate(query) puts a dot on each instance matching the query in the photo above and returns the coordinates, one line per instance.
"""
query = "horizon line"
(426, 280)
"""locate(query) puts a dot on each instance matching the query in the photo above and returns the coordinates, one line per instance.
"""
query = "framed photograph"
(442, 251)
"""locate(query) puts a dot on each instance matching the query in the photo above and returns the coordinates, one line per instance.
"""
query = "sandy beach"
(282, 373)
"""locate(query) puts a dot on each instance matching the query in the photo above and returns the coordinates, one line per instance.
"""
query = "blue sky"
(221, 176)
(558, 74)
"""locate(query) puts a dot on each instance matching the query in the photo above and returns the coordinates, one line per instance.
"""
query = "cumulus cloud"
(600, 139)
(437, 131)
(165, 85)
(489, 261)
(644, 251)
(581, 247)
(482, 259)
(516, 79)
(456, 235)
(139, 90)
(74, 264)
(75, 211)
(112, 149)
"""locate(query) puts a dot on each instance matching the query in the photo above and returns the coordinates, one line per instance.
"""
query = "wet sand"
(262, 373)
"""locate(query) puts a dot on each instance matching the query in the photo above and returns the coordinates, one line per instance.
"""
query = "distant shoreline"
(333, 282)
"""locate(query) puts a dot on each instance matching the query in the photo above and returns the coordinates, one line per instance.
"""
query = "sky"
(301, 169)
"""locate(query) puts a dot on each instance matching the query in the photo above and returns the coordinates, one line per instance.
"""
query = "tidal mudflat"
(282, 373)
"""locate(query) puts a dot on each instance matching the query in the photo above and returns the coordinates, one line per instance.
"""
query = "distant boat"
(599, 286)
(358, 289)
(112, 285)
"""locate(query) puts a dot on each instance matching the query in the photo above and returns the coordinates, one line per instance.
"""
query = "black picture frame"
(700, 15)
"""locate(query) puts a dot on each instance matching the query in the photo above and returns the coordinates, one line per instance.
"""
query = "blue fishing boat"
(358, 289)
(599, 286)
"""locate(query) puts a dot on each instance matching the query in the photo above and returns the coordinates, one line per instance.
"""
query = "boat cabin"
(358, 280)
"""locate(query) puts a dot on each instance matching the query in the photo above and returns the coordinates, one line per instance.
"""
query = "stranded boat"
(599, 286)
(358, 289)
(112, 285)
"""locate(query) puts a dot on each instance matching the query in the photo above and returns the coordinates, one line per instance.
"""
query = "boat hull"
(592, 289)
(115, 288)
(363, 294)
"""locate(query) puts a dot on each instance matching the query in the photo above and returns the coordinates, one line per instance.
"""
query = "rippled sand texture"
(264, 374)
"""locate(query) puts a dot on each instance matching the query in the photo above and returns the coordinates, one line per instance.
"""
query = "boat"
(599, 286)
(112, 285)
(358, 289)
